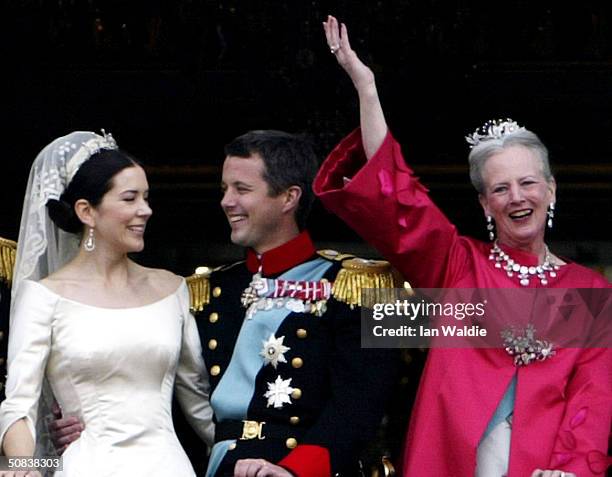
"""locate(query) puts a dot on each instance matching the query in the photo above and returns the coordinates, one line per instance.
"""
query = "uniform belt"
(249, 430)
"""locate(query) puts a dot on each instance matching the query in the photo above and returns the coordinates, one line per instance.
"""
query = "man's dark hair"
(289, 160)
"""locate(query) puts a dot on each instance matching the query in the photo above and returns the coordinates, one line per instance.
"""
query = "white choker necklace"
(523, 273)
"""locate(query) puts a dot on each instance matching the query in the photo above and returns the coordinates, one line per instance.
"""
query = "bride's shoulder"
(61, 281)
(162, 280)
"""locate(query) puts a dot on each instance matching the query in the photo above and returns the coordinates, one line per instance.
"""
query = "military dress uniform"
(7, 262)
(281, 341)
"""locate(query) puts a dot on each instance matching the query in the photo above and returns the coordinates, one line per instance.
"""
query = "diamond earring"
(90, 243)
(490, 228)
(551, 215)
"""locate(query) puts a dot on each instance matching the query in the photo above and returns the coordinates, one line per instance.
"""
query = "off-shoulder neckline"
(76, 302)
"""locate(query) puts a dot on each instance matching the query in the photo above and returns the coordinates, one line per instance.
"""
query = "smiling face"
(517, 195)
(120, 219)
(258, 219)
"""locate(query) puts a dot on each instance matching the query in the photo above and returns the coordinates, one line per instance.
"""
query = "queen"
(478, 411)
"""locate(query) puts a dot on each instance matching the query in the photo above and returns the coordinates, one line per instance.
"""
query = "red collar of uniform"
(283, 257)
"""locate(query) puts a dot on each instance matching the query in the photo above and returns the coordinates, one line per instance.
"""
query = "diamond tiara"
(493, 129)
(85, 150)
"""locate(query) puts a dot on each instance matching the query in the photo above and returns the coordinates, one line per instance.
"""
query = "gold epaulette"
(8, 249)
(358, 273)
(333, 255)
(199, 289)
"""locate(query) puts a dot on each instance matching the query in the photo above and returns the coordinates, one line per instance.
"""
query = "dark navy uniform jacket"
(330, 393)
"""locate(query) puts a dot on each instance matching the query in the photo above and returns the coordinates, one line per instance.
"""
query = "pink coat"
(563, 406)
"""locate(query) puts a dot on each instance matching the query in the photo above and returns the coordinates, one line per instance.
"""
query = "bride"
(109, 336)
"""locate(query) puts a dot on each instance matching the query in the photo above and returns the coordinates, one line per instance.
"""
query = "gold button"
(215, 370)
(214, 317)
(301, 333)
(216, 292)
(212, 344)
(294, 420)
(291, 443)
(1, 335)
(296, 393)
(1, 361)
(232, 446)
(297, 362)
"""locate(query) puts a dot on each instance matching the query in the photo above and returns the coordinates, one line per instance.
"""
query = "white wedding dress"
(115, 369)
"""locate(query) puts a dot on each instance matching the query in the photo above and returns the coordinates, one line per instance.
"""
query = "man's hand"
(64, 431)
(259, 468)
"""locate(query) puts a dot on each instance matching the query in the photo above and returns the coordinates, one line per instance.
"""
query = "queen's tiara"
(493, 129)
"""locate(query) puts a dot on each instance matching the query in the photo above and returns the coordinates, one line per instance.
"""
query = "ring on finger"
(334, 49)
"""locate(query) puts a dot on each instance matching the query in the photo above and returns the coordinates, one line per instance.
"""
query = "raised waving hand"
(372, 118)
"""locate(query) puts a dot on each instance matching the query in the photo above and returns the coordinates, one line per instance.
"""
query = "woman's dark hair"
(93, 179)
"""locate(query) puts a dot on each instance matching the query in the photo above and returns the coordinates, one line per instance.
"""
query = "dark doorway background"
(175, 80)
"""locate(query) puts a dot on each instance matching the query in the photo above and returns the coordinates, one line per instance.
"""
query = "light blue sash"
(234, 393)
(505, 408)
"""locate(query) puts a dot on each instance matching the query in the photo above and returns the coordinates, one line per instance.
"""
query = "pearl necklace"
(523, 272)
